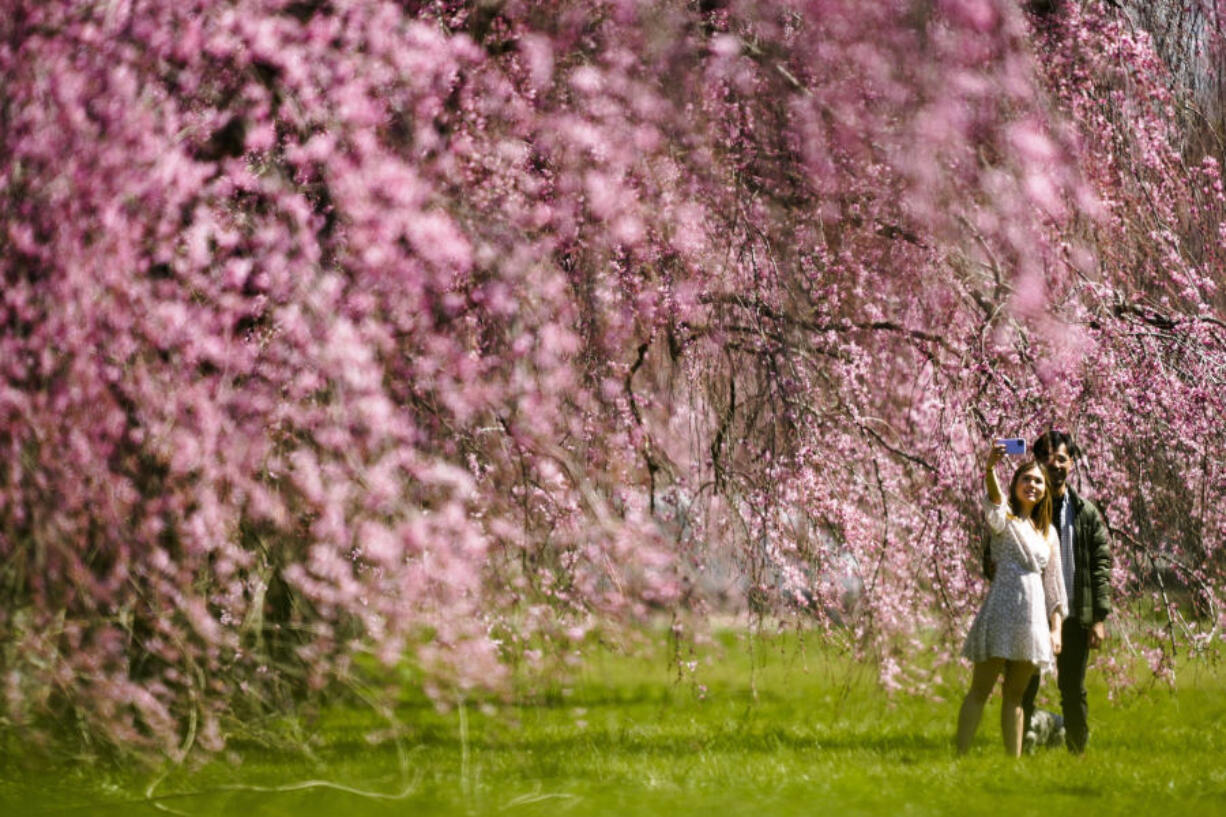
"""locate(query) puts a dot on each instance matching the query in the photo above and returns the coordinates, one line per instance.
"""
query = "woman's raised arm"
(998, 451)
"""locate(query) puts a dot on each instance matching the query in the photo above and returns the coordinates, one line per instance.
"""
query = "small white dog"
(1046, 730)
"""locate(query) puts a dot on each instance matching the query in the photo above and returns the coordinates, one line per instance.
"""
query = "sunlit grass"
(625, 737)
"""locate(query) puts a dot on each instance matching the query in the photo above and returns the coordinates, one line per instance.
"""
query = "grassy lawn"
(624, 738)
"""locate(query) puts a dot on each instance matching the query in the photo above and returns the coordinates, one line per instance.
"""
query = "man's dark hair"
(1043, 8)
(1052, 439)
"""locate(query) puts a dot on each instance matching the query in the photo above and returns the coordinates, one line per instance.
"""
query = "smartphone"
(1013, 445)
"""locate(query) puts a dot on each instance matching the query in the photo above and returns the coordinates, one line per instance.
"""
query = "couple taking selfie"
(1050, 566)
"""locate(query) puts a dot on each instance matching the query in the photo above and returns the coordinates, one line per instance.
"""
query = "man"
(1086, 559)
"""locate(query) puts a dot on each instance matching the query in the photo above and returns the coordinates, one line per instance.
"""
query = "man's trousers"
(1071, 668)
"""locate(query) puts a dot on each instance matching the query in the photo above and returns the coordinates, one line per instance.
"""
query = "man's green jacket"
(1091, 599)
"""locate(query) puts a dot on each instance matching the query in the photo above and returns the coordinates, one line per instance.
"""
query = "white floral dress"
(1027, 588)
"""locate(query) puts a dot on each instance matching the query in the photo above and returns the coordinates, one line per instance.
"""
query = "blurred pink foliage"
(337, 332)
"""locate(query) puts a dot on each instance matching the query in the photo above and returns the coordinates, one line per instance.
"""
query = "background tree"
(347, 334)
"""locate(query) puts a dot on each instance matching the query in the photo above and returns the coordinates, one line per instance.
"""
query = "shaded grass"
(625, 737)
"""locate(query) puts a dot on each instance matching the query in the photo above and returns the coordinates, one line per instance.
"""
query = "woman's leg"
(982, 681)
(1017, 676)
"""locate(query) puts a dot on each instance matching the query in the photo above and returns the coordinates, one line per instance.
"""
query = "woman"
(1017, 630)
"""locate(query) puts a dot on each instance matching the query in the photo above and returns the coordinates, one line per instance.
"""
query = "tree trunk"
(1188, 35)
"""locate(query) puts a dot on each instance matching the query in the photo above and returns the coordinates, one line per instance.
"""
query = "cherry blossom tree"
(347, 334)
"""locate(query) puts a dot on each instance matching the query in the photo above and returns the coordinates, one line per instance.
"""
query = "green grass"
(624, 738)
